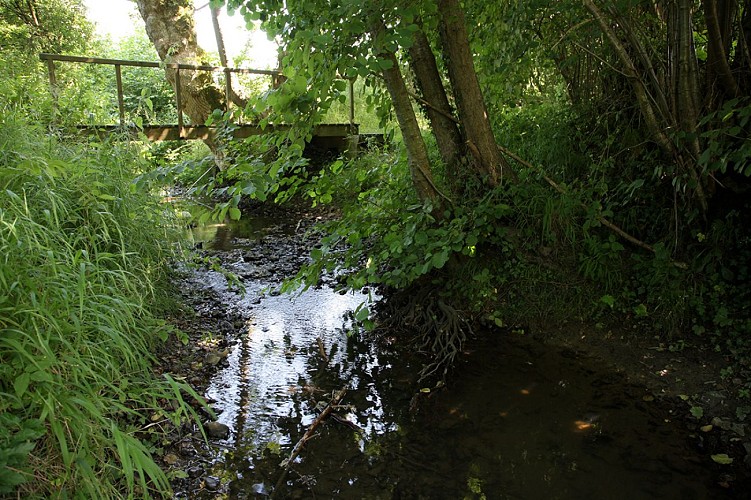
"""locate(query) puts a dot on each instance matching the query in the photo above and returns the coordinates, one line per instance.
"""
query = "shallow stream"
(516, 419)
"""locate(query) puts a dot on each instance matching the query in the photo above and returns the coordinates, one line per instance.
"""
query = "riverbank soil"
(683, 388)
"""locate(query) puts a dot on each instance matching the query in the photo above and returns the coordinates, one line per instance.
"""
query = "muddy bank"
(546, 414)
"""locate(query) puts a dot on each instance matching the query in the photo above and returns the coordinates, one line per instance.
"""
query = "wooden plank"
(201, 132)
(53, 88)
(150, 64)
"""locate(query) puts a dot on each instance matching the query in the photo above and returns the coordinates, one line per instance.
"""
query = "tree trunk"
(683, 88)
(720, 77)
(171, 28)
(436, 106)
(469, 101)
(742, 59)
(417, 153)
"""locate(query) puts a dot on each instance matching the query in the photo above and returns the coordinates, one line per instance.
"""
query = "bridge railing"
(118, 64)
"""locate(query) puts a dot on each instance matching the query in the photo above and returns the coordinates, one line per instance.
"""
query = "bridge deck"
(202, 132)
(336, 135)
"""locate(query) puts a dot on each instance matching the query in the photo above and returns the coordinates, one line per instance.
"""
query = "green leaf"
(362, 313)
(608, 300)
(40, 376)
(440, 259)
(641, 311)
(234, 213)
(697, 411)
(722, 459)
(385, 64)
(21, 384)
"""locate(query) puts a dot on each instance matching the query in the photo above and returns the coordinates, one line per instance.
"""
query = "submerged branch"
(335, 399)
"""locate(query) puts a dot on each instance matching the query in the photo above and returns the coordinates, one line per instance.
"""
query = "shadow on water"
(517, 420)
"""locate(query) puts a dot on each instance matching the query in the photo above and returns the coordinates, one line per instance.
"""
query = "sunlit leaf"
(722, 459)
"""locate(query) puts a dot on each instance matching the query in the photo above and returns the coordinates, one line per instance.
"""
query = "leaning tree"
(324, 40)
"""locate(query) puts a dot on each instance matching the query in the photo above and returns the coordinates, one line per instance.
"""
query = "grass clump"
(82, 256)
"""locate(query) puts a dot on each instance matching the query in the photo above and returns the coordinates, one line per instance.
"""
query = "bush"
(82, 256)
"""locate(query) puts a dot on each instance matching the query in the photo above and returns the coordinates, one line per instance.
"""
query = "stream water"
(516, 420)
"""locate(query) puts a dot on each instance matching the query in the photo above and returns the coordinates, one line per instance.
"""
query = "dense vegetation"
(623, 190)
(618, 195)
(84, 261)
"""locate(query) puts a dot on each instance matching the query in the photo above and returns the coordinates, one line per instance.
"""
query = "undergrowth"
(82, 266)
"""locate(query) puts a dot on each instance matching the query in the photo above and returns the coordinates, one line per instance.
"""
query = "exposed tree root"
(440, 329)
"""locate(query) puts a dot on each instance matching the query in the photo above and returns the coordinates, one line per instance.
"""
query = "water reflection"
(515, 421)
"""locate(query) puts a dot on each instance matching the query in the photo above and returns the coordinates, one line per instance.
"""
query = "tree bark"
(171, 28)
(469, 101)
(439, 112)
(682, 90)
(719, 73)
(417, 153)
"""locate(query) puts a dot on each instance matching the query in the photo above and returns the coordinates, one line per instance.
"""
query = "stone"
(195, 471)
(213, 358)
(216, 430)
(211, 482)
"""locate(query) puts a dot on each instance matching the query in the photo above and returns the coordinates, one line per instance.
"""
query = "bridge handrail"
(119, 63)
(44, 56)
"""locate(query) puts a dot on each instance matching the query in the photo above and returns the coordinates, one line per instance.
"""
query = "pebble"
(195, 471)
(213, 359)
(216, 430)
(211, 482)
(260, 489)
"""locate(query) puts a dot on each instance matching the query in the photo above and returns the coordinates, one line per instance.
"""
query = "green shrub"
(82, 256)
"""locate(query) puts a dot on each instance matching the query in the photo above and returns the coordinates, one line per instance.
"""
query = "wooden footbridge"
(330, 136)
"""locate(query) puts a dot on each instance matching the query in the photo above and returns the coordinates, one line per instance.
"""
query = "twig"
(602, 220)
(335, 399)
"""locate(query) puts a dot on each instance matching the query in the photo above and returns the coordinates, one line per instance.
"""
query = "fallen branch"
(602, 220)
(335, 399)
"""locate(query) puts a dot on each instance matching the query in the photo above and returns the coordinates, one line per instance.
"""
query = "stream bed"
(515, 420)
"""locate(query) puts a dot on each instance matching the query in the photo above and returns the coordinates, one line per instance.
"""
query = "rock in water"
(211, 482)
(260, 489)
(216, 430)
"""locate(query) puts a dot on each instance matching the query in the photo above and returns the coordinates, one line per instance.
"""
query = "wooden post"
(353, 140)
(352, 102)
(53, 88)
(120, 101)
(228, 87)
(179, 98)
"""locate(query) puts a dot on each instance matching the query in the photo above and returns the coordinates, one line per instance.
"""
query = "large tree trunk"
(417, 153)
(436, 104)
(171, 28)
(469, 101)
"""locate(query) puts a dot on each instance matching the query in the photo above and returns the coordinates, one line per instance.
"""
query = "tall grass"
(82, 256)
